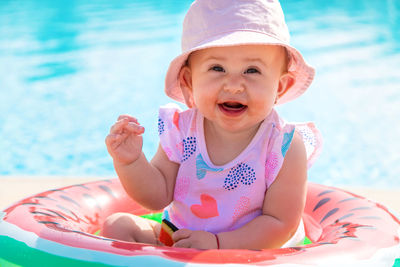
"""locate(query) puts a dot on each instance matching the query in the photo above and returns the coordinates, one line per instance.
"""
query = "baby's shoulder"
(173, 111)
(304, 134)
(172, 117)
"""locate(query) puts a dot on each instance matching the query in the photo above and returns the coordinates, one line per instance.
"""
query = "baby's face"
(236, 87)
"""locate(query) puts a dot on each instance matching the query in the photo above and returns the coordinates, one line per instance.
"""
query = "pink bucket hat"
(216, 23)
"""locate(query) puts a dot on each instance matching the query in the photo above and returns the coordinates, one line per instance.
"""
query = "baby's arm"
(149, 183)
(283, 206)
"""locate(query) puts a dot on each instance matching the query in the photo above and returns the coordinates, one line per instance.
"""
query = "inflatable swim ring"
(57, 228)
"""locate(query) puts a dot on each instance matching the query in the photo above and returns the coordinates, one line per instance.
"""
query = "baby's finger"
(111, 139)
(134, 128)
(112, 142)
(184, 243)
(129, 118)
(181, 234)
(118, 126)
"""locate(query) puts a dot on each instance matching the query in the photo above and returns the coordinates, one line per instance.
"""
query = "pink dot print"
(181, 188)
(241, 208)
(179, 146)
(271, 165)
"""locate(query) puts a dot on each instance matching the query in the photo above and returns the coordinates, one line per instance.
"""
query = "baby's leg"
(131, 228)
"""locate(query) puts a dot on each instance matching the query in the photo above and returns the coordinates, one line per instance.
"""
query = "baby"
(229, 172)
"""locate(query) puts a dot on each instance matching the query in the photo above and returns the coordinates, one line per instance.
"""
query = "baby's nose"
(234, 84)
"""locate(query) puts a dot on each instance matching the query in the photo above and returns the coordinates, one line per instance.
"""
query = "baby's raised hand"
(124, 142)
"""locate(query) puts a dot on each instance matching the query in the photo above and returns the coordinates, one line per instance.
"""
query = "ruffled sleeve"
(312, 139)
(169, 131)
(280, 140)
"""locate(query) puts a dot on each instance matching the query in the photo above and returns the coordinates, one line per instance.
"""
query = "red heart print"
(207, 209)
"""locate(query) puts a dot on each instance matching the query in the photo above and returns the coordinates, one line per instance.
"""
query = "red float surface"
(337, 222)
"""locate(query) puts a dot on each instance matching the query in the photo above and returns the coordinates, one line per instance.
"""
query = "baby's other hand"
(185, 238)
(124, 142)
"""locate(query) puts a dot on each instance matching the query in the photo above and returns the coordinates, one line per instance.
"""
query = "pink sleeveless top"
(223, 198)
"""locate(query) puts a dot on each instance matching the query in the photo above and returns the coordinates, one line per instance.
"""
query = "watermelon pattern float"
(58, 228)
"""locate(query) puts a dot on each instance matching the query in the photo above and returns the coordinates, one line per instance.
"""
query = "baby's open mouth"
(232, 108)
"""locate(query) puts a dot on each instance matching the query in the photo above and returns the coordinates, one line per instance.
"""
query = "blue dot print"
(160, 126)
(189, 147)
(241, 173)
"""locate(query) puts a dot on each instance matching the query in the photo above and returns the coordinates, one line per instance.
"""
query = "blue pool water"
(69, 68)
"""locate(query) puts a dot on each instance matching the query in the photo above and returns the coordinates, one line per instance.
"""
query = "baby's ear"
(185, 82)
(286, 81)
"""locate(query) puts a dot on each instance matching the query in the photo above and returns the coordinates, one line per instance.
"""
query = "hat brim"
(303, 73)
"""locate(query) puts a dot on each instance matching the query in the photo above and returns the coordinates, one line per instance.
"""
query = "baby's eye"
(217, 68)
(252, 70)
